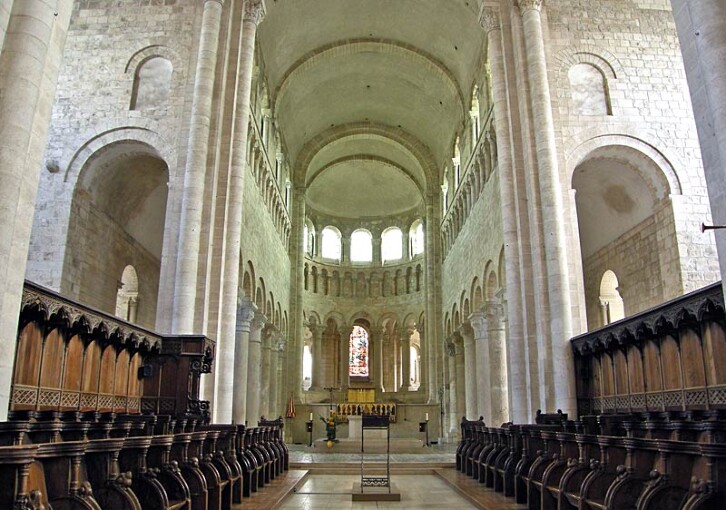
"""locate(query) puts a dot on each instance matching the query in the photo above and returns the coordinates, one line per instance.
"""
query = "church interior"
(241, 239)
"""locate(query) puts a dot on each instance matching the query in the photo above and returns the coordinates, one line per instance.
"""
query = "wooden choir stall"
(106, 415)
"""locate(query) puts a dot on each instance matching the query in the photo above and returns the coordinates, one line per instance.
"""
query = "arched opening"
(127, 296)
(588, 88)
(391, 244)
(361, 246)
(416, 238)
(152, 84)
(117, 220)
(330, 245)
(627, 227)
(358, 364)
(611, 303)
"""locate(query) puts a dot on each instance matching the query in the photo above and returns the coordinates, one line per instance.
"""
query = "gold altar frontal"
(363, 401)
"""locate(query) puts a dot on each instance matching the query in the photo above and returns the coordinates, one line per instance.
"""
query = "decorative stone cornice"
(255, 11)
(529, 5)
(489, 19)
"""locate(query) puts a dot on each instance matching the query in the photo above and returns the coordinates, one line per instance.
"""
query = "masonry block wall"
(650, 111)
(476, 251)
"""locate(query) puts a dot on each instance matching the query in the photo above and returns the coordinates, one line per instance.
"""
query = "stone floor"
(303, 454)
(326, 491)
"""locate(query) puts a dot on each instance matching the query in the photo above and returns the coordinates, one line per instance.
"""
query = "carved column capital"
(529, 5)
(478, 322)
(246, 311)
(489, 19)
(255, 11)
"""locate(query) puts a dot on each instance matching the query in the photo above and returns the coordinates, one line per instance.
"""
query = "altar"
(355, 430)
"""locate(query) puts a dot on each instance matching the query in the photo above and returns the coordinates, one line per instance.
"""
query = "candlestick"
(311, 416)
(427, 416)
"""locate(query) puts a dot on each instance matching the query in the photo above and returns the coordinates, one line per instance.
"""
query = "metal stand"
(309, 425)
(375, 422)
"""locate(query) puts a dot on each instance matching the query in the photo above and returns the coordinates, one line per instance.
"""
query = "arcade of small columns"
(262, 393)
(389, 359)
(476, 368)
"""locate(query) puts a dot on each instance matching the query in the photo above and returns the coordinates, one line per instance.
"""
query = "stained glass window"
(358, 351)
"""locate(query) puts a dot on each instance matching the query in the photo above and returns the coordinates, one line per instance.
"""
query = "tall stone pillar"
(701, 30)
(558, 374)
(29, 60)
(498, 364)
(274, 409)
(490, 21)
(254, 379)
(460, 381)
(297, 263)
(254, 11)
(389, 366)
(345, 359)
(451, 426)
(470, 371)
(268, 336)
(245, 314)
(406, 360)
(190, 223)
(318, 366)
(377, 363)
(480, 327)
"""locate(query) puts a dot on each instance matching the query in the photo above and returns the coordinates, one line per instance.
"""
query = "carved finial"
(489, 18)
(255, 11)
(528, 5)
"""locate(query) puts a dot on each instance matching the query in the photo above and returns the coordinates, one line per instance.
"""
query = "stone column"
(558, 375)
(190, 223)
(701, 30)
(268, 335)
(377, 253)
(344, 358)
(29, 60)
(498, 386)
(480, 327)
(274, 409)
(245, 314)
(470, 370)
(254, 11)
(460, 381)
(317, 331)
(297, 260)
(377, 362)
(254, 380)
(517, 360)
(451, 363)
(406, 360)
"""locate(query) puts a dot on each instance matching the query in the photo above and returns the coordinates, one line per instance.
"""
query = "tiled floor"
(323, 491)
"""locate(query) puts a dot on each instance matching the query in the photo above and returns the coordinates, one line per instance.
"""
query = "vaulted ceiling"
(369, 94)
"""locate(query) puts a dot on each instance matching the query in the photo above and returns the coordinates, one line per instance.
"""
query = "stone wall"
(101, 252)
(645, 261)
(479, 244)
(106, 43)
(635, 47)
(263, 247)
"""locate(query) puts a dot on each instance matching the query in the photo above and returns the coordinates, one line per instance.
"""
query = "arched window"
(589, 90)
(416, 237)
(361, 246)
(152, 84)
(308, 238)
(611, 303)
(307, 368)
(127, 296)
(358, 353)
(445, 193)
(391, 244)
(474, 114)
(330, 244)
